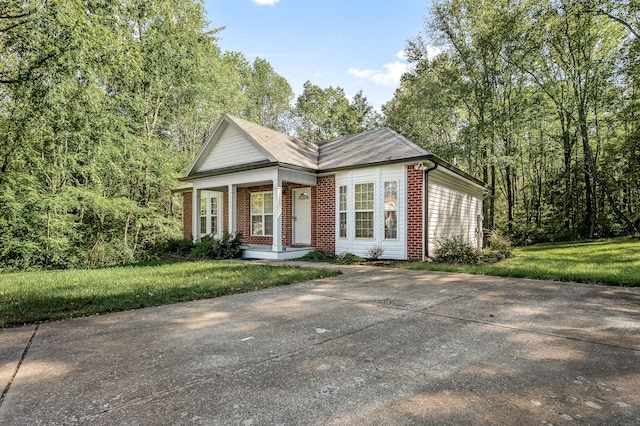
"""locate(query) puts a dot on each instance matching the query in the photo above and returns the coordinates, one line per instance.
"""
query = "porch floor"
(254, 251)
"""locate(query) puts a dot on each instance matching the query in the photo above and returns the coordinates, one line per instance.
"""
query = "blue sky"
(354, 44)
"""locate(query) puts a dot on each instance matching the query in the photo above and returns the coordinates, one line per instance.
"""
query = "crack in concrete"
(15, 371)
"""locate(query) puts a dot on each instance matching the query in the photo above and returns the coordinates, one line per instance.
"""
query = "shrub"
(375, 252)
(228, 247)
(346, 258)
(316, 256)
(455, 249)
(498, 241)
(180, 246)
(494, 256)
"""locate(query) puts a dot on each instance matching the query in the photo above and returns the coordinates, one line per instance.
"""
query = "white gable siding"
(453, 209)
(231, 149)
(393, 248)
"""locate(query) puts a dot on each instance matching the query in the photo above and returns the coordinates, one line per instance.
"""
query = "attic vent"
(303, 196)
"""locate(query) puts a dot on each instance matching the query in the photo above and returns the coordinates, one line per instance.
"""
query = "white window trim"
(345, 211)
(356, 211)
(384, 209)
(263, 214)
(205, 199)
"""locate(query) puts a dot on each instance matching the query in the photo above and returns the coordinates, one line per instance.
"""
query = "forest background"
(104, 104)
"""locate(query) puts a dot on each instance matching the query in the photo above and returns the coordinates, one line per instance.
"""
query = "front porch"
(260, 251)
(273, 208)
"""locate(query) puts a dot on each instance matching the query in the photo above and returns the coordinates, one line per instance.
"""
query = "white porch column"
(195, 214)
(277, 216)
(232, 208)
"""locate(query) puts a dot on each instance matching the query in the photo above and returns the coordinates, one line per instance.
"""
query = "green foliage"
(346, 258)
(53, 295)
(327, 113)
(179, 246)
(315, 256)
(493, 256)
(556, 139)
(103, 105)
(228, 247)
(498, 241)
(455, 249)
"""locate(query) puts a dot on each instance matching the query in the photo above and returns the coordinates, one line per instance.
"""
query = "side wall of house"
(454, 208)
(415, 201)
(325, 223)
(187, 217)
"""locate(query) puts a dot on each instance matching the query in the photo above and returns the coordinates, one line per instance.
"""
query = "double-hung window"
(391, 210)
(203, 216)
(262, 213)
(342, 211)
(364, 205)
(209, 215)
(214, 216)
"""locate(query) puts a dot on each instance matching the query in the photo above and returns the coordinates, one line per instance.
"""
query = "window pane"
(203, 206)
(203, 225)
(390, 195)
(257, 201)
(390, 224)
(256, 225)
(268, 224)
(364, 224)
(342, 205)
(343, 225)
(364, 196)
(268, 203)
(214, 205)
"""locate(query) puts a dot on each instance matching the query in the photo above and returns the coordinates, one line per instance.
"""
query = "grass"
(29, 297)
(613, 261)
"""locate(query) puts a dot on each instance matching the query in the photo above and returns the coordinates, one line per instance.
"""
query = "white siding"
(231, 149)
(453, 209)
(393, 248)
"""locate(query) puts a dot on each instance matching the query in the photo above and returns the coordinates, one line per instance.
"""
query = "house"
(350, 194)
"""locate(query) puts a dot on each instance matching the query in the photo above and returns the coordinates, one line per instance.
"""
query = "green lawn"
(29, 297)
(613, 261)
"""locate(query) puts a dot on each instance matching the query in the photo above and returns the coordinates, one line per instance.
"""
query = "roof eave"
(226, 170)
(376, 164)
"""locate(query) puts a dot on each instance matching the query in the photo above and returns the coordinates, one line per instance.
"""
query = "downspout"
(425, 211)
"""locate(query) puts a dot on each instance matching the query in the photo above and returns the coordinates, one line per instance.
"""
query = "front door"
(302, 216)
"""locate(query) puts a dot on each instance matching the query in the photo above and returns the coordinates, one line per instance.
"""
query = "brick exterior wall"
(187, 217)
(325, 222)
(415, 199)
(243, 214)
(225, 212)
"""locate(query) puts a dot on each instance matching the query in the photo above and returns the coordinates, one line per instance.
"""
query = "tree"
(324, 114)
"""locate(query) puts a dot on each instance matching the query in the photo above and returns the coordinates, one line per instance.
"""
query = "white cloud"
(390, 77)
(361, 73)
(265, 2)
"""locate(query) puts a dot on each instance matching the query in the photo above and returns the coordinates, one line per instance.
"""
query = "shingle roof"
(375, 146)
(284, 148)
(369, 148)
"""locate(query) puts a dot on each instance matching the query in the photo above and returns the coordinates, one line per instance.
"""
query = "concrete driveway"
(374, 346)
